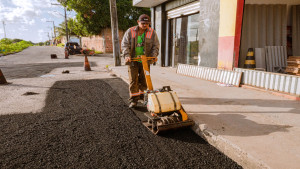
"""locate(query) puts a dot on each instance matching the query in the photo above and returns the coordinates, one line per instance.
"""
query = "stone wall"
(101, 42)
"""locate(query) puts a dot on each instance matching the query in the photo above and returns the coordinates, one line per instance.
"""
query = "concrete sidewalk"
(254, 128)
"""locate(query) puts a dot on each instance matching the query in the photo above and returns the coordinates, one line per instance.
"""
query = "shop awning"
(147, 3)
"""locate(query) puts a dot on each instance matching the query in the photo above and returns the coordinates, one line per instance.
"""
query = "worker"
(139, 40)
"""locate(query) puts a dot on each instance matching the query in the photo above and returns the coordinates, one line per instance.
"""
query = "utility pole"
(4, 29)
(115, 32)
(53, 29)
(49, 37)
(66, 21)
(51, 33)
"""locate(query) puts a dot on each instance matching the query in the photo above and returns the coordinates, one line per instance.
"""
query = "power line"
(53, 28)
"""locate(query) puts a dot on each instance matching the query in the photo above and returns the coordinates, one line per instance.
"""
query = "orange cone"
(66, 54)
(86, 64)
(2, 78)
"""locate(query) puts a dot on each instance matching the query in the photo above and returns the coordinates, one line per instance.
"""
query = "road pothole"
(30, 93)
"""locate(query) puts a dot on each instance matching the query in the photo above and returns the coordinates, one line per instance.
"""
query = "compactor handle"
(140, 59)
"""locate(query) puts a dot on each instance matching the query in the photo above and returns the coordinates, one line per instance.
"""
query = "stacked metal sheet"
(211, 74)
(288, 84)
(276, 57)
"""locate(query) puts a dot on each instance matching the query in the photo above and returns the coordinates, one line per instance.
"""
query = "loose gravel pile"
(87, 124)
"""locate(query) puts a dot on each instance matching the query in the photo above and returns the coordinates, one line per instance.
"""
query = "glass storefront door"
(192, 40)
(177, 40)
(185, 39)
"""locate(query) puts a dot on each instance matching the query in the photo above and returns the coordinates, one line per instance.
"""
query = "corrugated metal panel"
(147, 3)
(276, 58)
(260, 58)
(296, 30)
(211, 74)
(184, 10)
(288, 84)
(177, 3)
(263, 25)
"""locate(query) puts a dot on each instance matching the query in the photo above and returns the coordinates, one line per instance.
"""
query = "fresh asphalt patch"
(87, 124)
(36, 69)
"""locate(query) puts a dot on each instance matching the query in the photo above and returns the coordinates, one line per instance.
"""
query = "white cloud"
(55, 13)
(42, 34)
(44, 19)
(23, 28)
(32, 4)
(26, 19)
(1, 6)
(24, 11)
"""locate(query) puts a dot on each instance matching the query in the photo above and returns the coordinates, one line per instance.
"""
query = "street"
(82, 120)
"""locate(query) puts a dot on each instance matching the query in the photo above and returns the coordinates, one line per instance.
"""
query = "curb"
(288, 96)
(228, 148)
(120, 76)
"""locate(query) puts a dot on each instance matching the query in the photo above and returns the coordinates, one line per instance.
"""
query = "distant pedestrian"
(139, 40)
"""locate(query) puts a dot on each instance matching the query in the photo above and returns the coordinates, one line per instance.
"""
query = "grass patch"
(98, 52)
(60, 45)
(8, 46)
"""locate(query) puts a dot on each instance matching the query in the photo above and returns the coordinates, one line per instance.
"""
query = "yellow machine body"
(165, 111)
(163, 102)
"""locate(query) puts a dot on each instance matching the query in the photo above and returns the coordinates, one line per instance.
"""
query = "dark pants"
(137, 81)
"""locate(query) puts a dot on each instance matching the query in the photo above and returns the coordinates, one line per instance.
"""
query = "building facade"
(218, 33)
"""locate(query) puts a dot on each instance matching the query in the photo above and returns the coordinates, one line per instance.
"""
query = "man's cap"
(144, 18)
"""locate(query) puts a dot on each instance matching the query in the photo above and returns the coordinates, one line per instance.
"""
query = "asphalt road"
(87, 124)
(34, 62)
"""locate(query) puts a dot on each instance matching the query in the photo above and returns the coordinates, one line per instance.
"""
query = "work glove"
(153, 61)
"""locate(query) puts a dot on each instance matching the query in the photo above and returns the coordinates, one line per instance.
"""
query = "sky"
(27, 19)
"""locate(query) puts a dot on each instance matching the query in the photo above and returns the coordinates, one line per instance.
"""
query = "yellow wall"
(227, 17)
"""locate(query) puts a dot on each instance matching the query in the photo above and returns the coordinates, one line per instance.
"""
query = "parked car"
(72, 48)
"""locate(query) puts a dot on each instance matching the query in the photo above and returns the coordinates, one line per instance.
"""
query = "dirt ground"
(87, 124)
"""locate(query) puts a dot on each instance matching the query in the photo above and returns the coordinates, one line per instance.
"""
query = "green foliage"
(75, 28)
(60, 45)
(41, 44)
(9, 46)
(16, 40)
(94, 15)
(98, 52)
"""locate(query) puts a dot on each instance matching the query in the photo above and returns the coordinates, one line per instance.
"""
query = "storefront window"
(192, 39)
(177, 39)
(186, 40)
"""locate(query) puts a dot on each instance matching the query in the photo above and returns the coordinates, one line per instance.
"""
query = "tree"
(41, 43)
(16, 40)
(76, 28)
(94, 15)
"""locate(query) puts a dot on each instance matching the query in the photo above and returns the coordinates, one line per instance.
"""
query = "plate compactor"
(165, 111)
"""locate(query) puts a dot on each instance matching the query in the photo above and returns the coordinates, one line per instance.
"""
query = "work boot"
(132, 105)
(141, 98)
